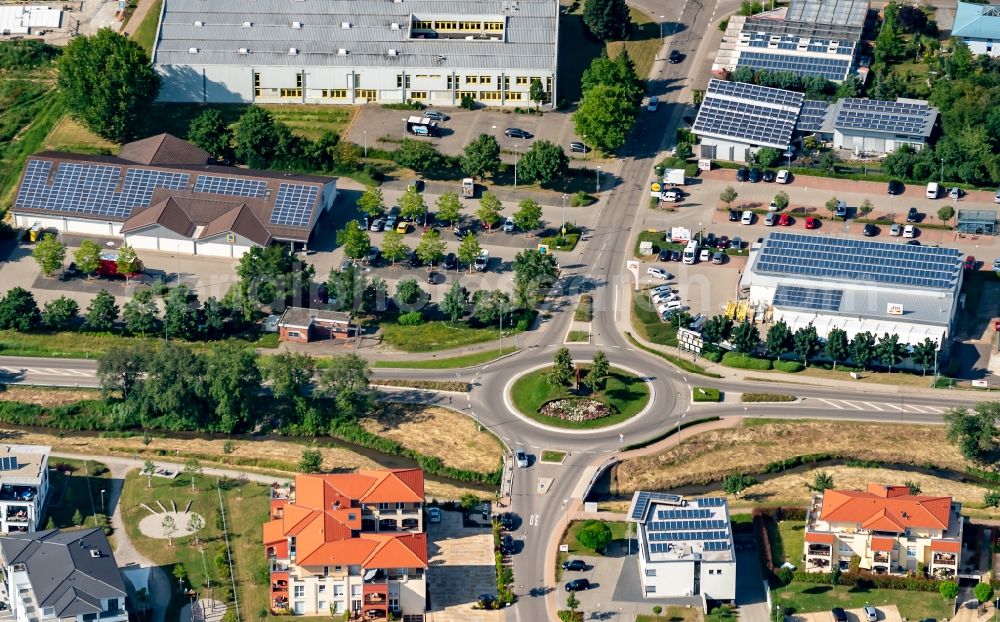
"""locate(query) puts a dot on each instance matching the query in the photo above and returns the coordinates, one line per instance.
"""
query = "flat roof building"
(978, 25)
(358, 51)
(877, 126)
(685, 546)
(24, 486)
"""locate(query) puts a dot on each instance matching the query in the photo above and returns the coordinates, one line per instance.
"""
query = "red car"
(812, 223)
(970, 263)
(784, 220)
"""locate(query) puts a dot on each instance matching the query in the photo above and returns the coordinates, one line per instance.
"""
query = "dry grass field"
(438, 432)
(46, 396)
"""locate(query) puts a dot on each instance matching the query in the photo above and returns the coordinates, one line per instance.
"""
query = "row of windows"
(371, 94)
(447, 25)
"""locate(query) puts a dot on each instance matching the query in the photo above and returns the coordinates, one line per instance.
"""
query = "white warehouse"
(352, 52)
(685, 547)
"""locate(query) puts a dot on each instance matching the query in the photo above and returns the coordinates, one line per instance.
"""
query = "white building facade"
(978, 25)
(685, 546)
(340, 52)
(24, 486)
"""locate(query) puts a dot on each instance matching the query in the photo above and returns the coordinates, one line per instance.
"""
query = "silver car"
(521, 458)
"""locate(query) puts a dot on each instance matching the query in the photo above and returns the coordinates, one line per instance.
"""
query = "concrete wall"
(71, 225)
(718, 580)
(984, 46)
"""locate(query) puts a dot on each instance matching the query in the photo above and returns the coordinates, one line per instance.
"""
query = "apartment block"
(24, 484)
(349, 543)
(889, 529)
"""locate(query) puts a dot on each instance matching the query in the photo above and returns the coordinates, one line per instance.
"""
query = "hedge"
(788, 366)
(745, 361)
(767, 397)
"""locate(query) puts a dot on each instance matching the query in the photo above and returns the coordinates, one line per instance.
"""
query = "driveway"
(888, 613)
(461, 568)
(750, 597)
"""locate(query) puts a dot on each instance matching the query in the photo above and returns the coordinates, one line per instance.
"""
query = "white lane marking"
(831, 403)
(898, 408)
(872, 406)
(852, 405)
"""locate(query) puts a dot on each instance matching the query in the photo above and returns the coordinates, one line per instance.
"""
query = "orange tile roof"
(885, 508)
(946, 546)
(820, 538)
(884, 545)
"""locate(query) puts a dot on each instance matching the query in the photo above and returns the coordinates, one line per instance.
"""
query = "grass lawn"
(70, 135)
(81, 345)
(618, 533)
(76, 491)
(804, 597)
(647, 322)
(706, 394)
(670, 358)
(577, 336)
(550, 455)
(29, 107)
(454, 362)
(642, 45)
(786, 541)
(307, 121)
(246, 509)
(672, 614)
(145, 34)
(625, 393)
(436, 335)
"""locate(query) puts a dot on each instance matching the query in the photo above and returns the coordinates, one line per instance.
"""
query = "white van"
(690, 252)
(932, 190)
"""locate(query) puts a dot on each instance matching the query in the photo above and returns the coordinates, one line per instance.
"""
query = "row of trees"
(814, 87)
(412, 206)
(50, 254)
(544, 162)
(563, 371)
(612, 92)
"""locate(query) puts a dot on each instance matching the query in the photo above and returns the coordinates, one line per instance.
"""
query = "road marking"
(831, 403)
(898, 408)
(872, 406)
(533, 520)
(851, 404)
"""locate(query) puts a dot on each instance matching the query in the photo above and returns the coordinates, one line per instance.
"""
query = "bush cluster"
(767, 397)
(745, 361)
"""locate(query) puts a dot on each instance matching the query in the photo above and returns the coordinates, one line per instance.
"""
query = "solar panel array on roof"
(686, 536)
(676, 525)
(293, 206)
(808, 298)
(92, 188)
(748, 113)
(859, 260)
(643, 499)
(883, 116)
(711, 502)
(717, 546)
(755, 92)
(232, 186)
(685, 513)
(811, 117)
(8, 463)
(835, 69)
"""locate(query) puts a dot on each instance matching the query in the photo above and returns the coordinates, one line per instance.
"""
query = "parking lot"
(461, 568)
(888, 613)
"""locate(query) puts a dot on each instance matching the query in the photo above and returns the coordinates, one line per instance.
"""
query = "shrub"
(790, 367)
(767, 397)
(594, 535)
(745, 361)
(410, 318)
(582, 199)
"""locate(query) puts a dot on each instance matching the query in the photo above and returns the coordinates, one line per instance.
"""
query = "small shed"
(977, 221)
(302, 325)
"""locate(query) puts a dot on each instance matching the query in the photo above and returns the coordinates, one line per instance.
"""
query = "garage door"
(169, 245)
(79, 225)
(28, 220)
(222, 250)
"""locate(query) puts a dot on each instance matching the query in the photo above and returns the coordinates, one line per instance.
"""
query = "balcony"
(881, 558)
(17, 493)
(817, 562)
(388, 524)
(822, 550)
(279, 589)
(376, 598)
(945, 559)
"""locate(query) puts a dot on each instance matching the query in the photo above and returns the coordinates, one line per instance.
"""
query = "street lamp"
(942, 170)
(598, 186)
(515, 166)
(661, 28)
(103, 508)
(366, 146)
(563, 229)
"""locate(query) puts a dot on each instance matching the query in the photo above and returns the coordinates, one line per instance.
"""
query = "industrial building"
(978, 25)
(807, 38)
(685, 546)
(353, 52)
(160, 193)
(857, 285)
(876, 127)
(28, 19)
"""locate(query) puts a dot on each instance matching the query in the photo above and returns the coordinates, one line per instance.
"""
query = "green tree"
(455, 301)
(173, 392)
(599, 368)
(605, 116)
(863, 349)
(481, 157)
(735, 483)
(288, 374)
(888, 350)
(88, 257)
(393, 247)
(448, 207)
(594, 535)
(617, 72)
(108, 83)
(717, 328)
(948, 589)
(925, 354)
(912, 487)
(489, 209)
(946, 213)
(781, 200)
(975, 433)
(233, 380)
(836, 346)
(346, 290)
(545, 163)
(371, 201)
(180, 313)
(572, 602)
(468, 250)
(258, 139)
(805, 343)
(354, 239)
(101, 313)
(411, 204)
(779, 339)
(213, 317)
(991, 498)
(128, 262)
(409, 294)
(562, 370)
(866, 207)
(18, 310)
(490, 305)
(607, 20)
(121, 369)
(140, 313)
(417, 155)
(657, 610)
(536, 92)
(193, 469)
(431, 247)
(528, 216)
(311, 461)
(983, 592)
(77, 517)
(533, 271)
(821, 481)
(767, 156)
(728, 195)
(746, 338)
(210, 131)
(59, 314)
(347, 380)
(49, 253)
(832, 204)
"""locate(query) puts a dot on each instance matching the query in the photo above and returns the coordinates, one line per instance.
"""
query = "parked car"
(508, 225)
(870, 231)
(736, 243)
(705, 255)
(914, 243)
(675, 57)
(654, 103)
(659, 273)
(577, 585)
(771, 219)
(996, 264)
(956, 193)
(896, 187)
(896, 230)
(506, 520)
(913, 215)
(402, 226)
(772, 206)
(482, 261)
(970, 263)
(718, 257)
(996, 197)
(675, 255)
(909, 231)
(767, 176)
(415, 260)
(416, 184)
(812, 223)
(734, 215)
(871, 613)
(578, 147)
(784, 220)
(514, 132)
(390, 222)
(841, 211)
(723, 243)
(377, 225)
(433, 515)
(432, 277)
(434, 115)
(460, 232)
(710, 240)
(450, 261)
(839, 615)
(663, 255)
(783, 177)
(577, 565)
(741, 174)
(373, 255)
(521, 458)
(754, 175)
(746, 218)
(507, 544)
(660, 289)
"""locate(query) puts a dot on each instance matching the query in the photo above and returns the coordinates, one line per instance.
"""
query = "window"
(417, 95)
(321, 588)
(485, 79)
(394, 604)
(338, 568)
(548, 86)
(355, 590)
(293, 334)
(321, 605)
(335, 93)
(256, 84)
(338, 590)
(506, 82)
(472, 79)
(470, 25)
(533, 78)
(521, 80)
(462, 94)
(845, 547)
(515, 96)
(299, 591)
(650, 589)
(489, 96)
(450, 81)
(368, 94)
(911, 551)
(383, 506)
(651, 572)
(419, 24)
(297, 91)
(493, 26)
(445, 25)
(400, 505)
(402, 80)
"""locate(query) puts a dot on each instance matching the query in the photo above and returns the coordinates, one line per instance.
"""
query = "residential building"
(978, 25)
(858, 285)
(685, 546)
(876, 127)
(162, 194)
(69, 576)
(808, 38)
(302, 325)
(357, 51)
(890, 530)
(349, 543)
(24, 486)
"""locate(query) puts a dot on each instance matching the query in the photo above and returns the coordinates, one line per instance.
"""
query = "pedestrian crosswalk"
(888, 407)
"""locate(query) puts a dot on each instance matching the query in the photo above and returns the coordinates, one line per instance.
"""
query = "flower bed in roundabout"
(622, 396)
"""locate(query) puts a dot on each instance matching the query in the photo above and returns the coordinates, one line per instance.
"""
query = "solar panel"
(811, 117)
(884, 116)
(859, 260)
(748, 113)
(711, 502)
(294, 205)
(232, 186)
(8, 463)
(808, 298)
(641, 501)
(835, 68)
